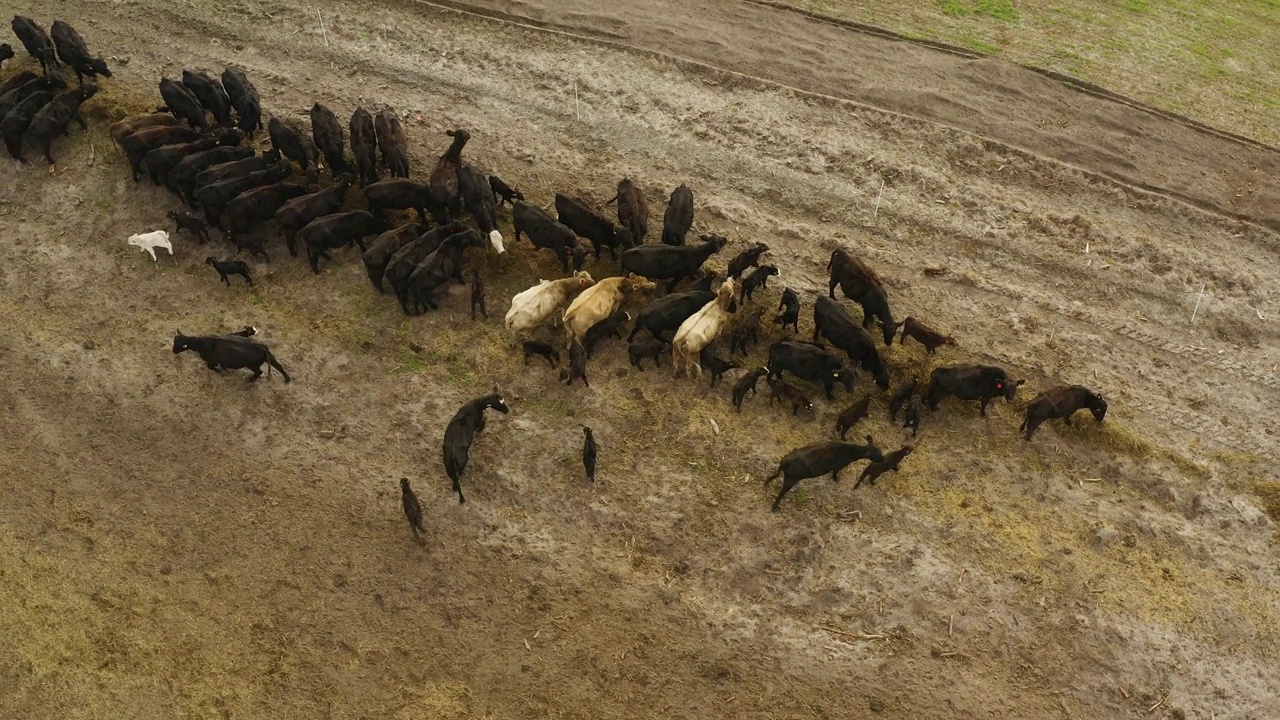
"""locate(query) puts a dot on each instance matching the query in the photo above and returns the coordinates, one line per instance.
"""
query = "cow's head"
(1098, 407)
(633, 282)
(844, 375)
(882, 379)
(873, 452)
(179, 342)
(497, 402)
(584, 279)
(1007, 388)
(624, 237)
(577, 254)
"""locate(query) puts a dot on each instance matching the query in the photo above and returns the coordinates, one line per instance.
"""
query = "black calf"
(191, 223)
(533, 347)
(230, 267)
(229, 353)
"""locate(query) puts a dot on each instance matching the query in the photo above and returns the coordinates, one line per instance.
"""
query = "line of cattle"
(239, 191)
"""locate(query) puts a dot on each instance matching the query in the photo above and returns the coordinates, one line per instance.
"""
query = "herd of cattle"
(239, 191)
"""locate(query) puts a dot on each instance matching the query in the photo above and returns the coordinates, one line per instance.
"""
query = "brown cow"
(927, 336)
(599, 302)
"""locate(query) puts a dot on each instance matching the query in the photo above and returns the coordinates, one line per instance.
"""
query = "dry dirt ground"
(175, 543)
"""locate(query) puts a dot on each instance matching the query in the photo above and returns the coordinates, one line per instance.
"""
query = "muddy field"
(176, 543)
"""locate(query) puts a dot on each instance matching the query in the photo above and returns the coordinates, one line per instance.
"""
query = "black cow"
(504, 192)
(229, 352)
(229, 267)
(6, 53)
(36, 41)
(717, 365)
(833, 321)
(589, 452)
(890, 463)
(638, 351)
(215, 197)
(15, 124)
(444, 177)
(296, 213)
(851, 415)
(73, 51)
(326, 131)
(399, 194)
(136, 145)
(477, 295)
(576, 215)
(809, 362)
(335, 231)
(477, 199)
(900, 398)
(577, 365)
(746, 259)
(260, 205)
(412, 508)
(673, 264)
(45, 83)
(440, 266)
(384, 246)
(364, 143)
(818, 459)
(782, 390)
(1062, 402)
(971, 382)
(461, 432)
(52, 119)
(747, 384)
(679, 216)
(183, 103)
(548, 353)
(633, 211)
(913, 415)
(244, 97)
(191, 223)
(668, 313)
(163, 159)
(746, 331)
(212, 96)
(289, 140)
(392, 142)
(925, 335)
(406, 259)
(860, 284)
(548, 233)
(610, 326)
(790, 307)
(18, 80)
(758, 278)
(233, 169)
(182, 177)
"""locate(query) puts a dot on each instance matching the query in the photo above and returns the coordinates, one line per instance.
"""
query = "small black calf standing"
(477, 295)
(913, 415)
(589, 452)
(533, 347)
(412, 508)
(230, 267)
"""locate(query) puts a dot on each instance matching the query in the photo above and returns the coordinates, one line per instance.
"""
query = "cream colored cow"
(531, 307)
(598, 302)
(701, 329)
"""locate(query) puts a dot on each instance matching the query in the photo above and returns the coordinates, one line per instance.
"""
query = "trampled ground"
(179, 544)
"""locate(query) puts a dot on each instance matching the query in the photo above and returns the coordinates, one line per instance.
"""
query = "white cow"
(495, 240)
(531, 307)
(148, 242)
(701, 329)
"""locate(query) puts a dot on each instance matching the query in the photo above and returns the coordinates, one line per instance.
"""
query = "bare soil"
(175, 543)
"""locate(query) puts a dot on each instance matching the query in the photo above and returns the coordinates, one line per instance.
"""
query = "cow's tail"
(832, 259)
(273, 363)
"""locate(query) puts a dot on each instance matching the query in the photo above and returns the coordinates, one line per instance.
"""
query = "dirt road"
(178, 544)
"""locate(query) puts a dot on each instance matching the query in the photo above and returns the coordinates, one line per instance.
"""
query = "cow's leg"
(787, 483)
(982, 411)
(457, 487)
(257, 373)
(835, 475)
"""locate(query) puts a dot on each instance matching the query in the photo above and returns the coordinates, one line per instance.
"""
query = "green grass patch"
(998, 9)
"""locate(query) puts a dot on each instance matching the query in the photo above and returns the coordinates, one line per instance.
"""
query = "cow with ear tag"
(971, 382)
(461, 432)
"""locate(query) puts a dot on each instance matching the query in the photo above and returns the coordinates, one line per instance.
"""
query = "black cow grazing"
(233, 169)
(576, 215)
(860, 284)
(477, 295)
(163, 159)
(912, 417)
(851, 415)
(633, 212)
(337, 230)
(785, 391)
(747, 383)
(679, 216)
(638, 351)
(746, 331)
(296, 213)
(229, 352)
(673, 264)
(36, 41)
(833, 321)
(45, 83)
(818, 459)
(212, 96)
(900, 398)
(287, 138)
(758, 278)
(608, 327)
(138, 144)
(589, 452)
(229, 267)
(6, 53)
(668, 313)
(182, 177)
(504, 192)
(260, 204)
(809, 362)
(533, 347)
(405, 261)
(971, 382)
(74, 52)
(183, 103)
(548, 233)
(444, 177)
(399, 194)
(412, 508)
(191, 223)
(790, 307)
(52, 119)
(890, 463)
(477, 199)
(717, 365)
(436, 269)
(384, 246)
(326, 131)
(15, 123)
(461, 432)
(244, 98)
(246, 331)
(18, 80)
(577, 365)
(748, 258)
(1062, 402)
(925, 335)
(391, 140)
(215, 197)
(364, 144)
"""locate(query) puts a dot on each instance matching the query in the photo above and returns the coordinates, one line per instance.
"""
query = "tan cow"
(533, 306)
(701, 329)
(599, 301)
